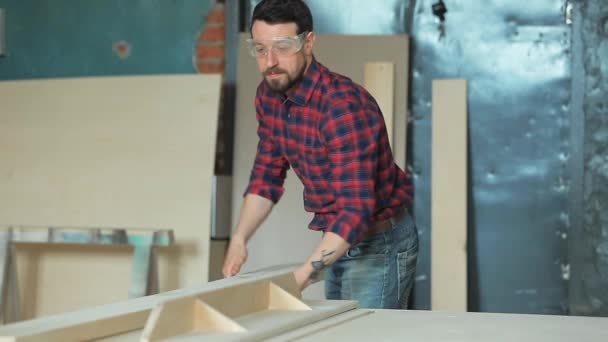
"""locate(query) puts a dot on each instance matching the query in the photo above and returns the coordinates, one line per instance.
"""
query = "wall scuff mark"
(122, 49)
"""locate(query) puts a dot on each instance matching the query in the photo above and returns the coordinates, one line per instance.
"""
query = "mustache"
(274, 70)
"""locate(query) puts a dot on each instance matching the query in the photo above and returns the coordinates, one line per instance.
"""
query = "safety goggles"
(285, 46)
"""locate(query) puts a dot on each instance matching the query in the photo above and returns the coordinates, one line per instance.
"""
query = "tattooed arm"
(330, 249)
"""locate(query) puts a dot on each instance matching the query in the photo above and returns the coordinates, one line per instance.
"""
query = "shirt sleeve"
(270, 166)
(352, 135)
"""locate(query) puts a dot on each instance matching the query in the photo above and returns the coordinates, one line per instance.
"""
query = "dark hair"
(282, 12)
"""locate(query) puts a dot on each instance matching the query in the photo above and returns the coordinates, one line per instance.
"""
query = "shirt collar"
(302, 92)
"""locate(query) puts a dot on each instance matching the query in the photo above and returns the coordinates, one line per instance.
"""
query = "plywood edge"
(279, 299)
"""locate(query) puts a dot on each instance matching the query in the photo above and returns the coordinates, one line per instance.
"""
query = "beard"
(285, 82)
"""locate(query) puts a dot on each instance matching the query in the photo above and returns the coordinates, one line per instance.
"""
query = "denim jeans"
(379, 271)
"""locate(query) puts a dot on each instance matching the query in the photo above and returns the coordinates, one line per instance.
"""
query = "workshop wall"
(69, 38)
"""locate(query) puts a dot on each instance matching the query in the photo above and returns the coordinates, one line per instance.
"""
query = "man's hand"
(235, 257)
(330, 249)
(302, 275)
(254, 211)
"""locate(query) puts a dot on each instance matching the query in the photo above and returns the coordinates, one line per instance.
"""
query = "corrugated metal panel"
(589, 238)
(515, 57)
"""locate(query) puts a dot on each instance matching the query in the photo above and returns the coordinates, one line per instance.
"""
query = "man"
(330, 131)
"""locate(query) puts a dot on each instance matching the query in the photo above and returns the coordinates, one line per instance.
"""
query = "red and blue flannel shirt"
(330, 131)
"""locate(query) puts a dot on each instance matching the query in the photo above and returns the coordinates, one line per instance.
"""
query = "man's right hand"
(235, 257)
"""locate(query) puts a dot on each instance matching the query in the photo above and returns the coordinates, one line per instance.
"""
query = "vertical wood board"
(449, 196)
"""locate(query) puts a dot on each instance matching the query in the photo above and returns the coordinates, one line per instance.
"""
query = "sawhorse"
(144, 280)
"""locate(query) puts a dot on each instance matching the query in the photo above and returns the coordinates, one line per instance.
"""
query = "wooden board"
(116, 152)
(449, 196)
(298, 241)
(380, 82)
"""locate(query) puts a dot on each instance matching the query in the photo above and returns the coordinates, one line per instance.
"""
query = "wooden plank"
(379, 80)
(449, 196)
(108, 152)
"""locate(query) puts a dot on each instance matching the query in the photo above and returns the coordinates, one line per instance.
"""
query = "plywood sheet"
(117, 152)
(288, 222)
(433, 326)
(449, 196)
(379, 80)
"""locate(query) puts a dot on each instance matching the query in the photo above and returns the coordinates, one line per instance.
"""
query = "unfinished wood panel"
(279, 299)
(115, 152)
(288, 222)
(379, 80)
(449, 196)
(186, 316)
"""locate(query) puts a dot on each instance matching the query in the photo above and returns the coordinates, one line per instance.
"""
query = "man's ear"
(309, 43)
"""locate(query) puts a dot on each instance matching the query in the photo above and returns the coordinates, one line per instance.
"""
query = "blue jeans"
(379, 271)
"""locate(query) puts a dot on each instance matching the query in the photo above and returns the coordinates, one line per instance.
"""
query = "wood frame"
(234, 308)
(144, 279)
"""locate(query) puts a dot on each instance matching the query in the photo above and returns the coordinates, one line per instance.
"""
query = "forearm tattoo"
(319, 265)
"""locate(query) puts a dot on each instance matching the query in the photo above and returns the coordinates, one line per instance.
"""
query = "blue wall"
(70, 38)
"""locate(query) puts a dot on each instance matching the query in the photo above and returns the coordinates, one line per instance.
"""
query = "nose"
(271, 59)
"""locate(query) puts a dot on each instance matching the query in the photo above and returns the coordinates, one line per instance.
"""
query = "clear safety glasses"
(285, 46)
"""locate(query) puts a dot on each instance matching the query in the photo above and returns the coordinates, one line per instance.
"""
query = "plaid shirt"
(330, 131)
